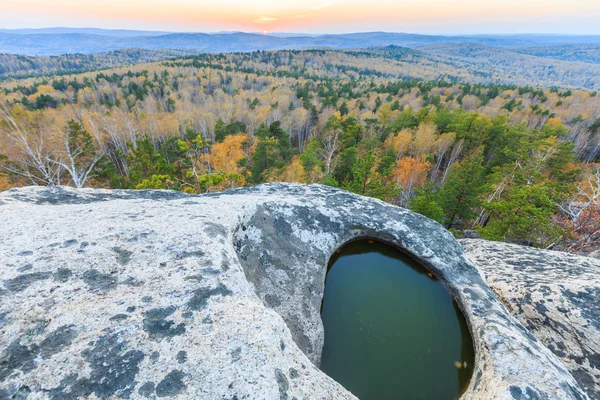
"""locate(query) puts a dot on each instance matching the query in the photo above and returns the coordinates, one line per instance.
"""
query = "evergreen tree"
(529, 191)
(522, 213)
(367, 180)
(460, 196)
(344, 109)
(427, 203)
(343, 172)
(82, 154)
(273, 150)
(144, 161)
(595, 127)
(310, 158)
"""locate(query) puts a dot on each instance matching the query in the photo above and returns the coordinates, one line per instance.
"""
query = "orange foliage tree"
(293, 172)
(410, 174)
(225, 159)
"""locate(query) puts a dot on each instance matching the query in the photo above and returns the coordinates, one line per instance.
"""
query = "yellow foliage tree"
(385, 115)
(225, 157)
(293, 172)
(425, 139)
(400, 142)
(554, 122)
(410, 174)
(45, 89)
(4, 182)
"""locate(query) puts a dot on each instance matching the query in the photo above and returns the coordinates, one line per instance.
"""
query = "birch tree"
(81, 154)
(30, 150)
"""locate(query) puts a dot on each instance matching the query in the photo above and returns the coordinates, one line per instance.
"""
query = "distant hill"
(91, 31)
(472, 63)
(56, 41)
(542, 60)
(510, 66)
(589, 53)
(20, 66)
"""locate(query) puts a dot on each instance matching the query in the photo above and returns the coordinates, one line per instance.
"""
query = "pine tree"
(144, 161)
(426, 202)
(274, 150)
(461, 194)
(344, 109)
(367, 180)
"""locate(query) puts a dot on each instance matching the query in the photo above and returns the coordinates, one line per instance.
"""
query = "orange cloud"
(264, 20)
(315, 15)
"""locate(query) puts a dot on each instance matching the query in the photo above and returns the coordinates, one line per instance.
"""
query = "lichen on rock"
(555, 295)
(137, 294)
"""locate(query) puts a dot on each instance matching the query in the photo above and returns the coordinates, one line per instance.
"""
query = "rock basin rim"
(218, 295)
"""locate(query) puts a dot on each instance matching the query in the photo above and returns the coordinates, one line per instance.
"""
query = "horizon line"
(269, 33)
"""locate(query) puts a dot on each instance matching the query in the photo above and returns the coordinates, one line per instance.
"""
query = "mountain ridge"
(58, 41)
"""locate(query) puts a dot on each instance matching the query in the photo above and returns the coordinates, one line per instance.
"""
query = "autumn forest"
(518, 163)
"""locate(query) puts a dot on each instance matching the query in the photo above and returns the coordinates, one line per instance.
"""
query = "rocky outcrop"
(595, 254)
(146, 294)
(555, 295)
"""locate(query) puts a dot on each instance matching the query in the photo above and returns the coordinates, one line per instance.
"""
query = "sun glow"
(319, 16)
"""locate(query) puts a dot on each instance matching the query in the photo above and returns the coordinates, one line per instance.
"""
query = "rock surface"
(555, 295)
(595, 254)
(149, 294)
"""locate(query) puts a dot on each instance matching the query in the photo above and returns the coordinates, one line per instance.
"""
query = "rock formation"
(555, 295)
(145, 294)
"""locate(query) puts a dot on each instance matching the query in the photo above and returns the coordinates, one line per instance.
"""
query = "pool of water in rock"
(392, 330)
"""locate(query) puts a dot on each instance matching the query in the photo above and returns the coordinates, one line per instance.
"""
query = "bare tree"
(29, 151)
(82, 154)
(583, 213)
(331, 144)
(442, 145)
(456, 150)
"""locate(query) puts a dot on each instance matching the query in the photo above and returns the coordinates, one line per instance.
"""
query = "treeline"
(521, 66)
(256, 87)
(588, 53)
(572, 66)
(514, 163)
(465, 170)
(20, 66)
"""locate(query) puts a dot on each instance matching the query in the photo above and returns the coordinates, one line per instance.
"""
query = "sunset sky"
(311, 16)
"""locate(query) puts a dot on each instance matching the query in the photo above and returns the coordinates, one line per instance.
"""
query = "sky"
(311, 16)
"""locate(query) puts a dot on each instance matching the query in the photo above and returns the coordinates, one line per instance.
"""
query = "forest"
(22, 66)
(572, 66)
(514, 163)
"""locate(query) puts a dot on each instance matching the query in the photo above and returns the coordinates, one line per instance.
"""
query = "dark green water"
(392, 331)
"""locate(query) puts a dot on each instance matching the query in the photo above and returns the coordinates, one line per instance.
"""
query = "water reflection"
(392, 330)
